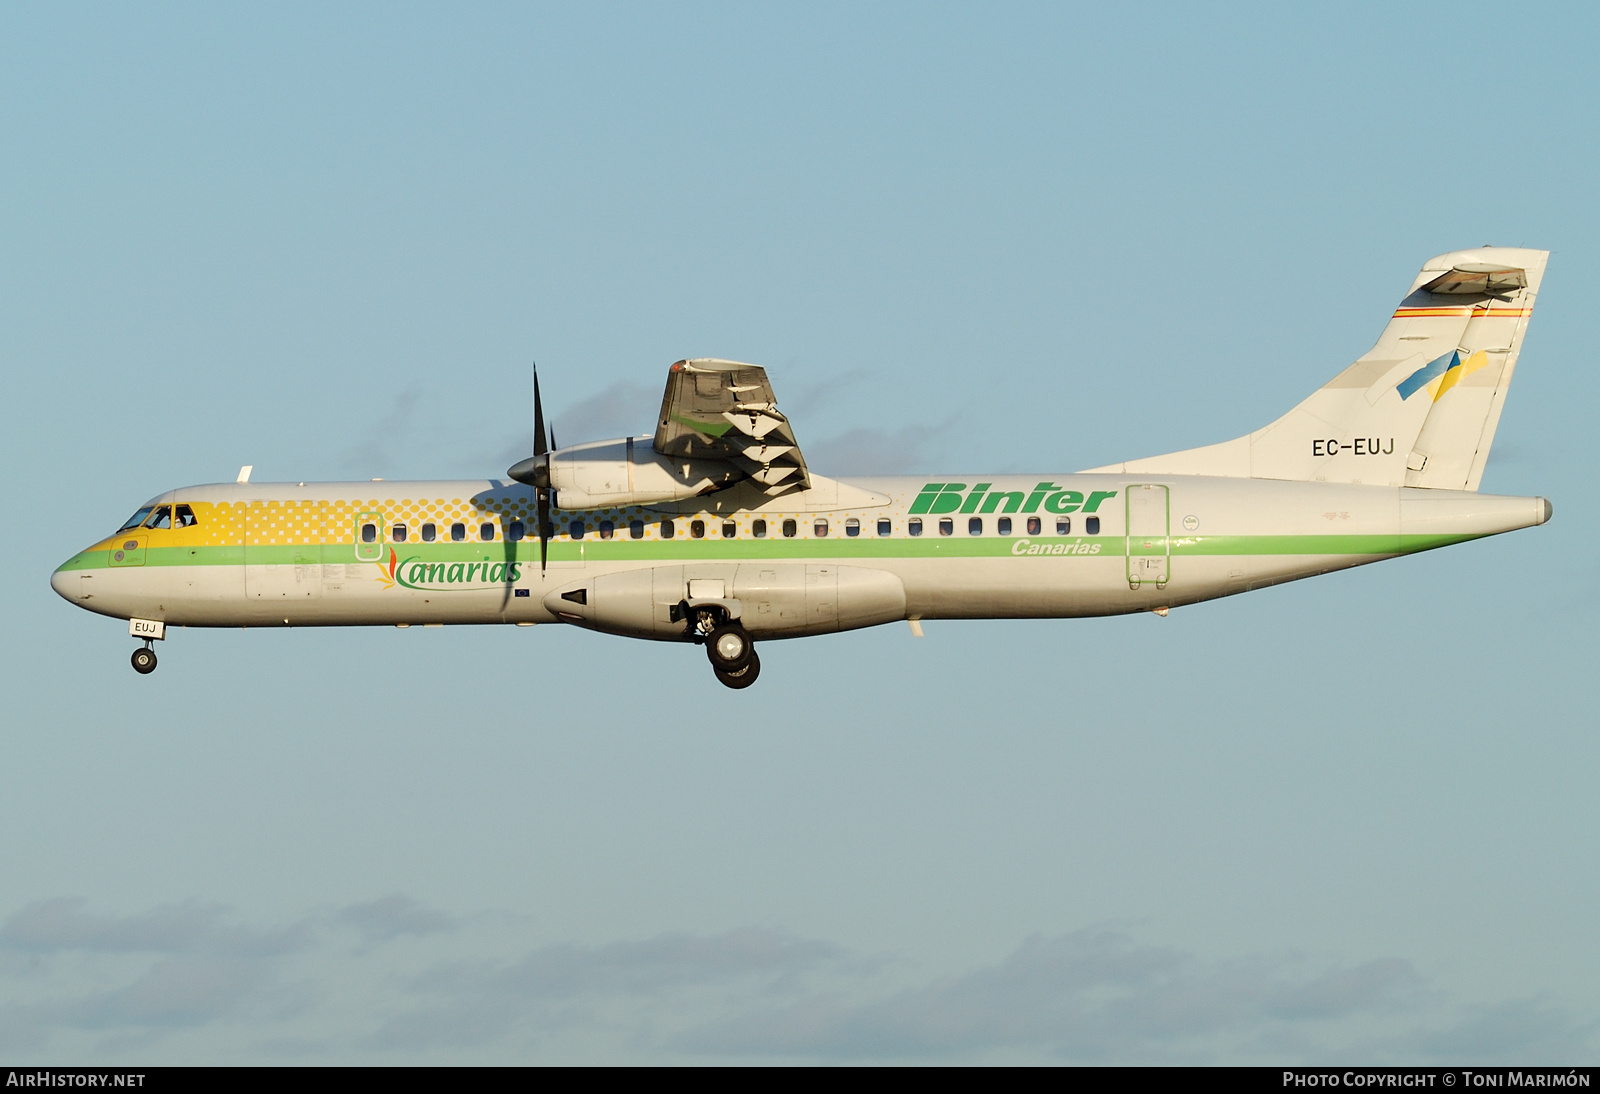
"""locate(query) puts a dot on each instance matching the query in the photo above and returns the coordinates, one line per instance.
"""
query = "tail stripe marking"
(1490, 313)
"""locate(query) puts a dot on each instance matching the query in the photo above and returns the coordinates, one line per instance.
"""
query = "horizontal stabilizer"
(1478, 277)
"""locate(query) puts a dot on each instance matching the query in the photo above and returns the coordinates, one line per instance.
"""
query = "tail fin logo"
(1441, 374)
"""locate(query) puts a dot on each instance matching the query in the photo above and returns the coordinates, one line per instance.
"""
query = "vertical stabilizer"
(1418, 409)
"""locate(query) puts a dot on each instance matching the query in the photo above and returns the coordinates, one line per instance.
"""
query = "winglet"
(244, 472)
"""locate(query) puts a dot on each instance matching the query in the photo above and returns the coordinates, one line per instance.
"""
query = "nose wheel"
(144, 660)
(732, 656)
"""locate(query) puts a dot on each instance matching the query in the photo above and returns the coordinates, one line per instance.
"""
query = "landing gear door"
(1149, 544)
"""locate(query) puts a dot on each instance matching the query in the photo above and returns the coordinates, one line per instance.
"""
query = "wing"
(724, 410)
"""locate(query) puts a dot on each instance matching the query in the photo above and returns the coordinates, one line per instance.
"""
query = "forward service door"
(279, 564)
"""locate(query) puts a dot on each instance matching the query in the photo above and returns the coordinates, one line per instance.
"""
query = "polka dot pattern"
(289, 521)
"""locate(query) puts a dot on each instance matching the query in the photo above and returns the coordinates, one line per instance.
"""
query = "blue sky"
(1350, 818)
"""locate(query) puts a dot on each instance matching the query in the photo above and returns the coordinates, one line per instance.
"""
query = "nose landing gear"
(144, 659)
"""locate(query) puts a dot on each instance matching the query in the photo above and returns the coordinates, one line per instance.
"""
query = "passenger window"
(666, 529)
(183, 517)
(1063, 526)
(161, 518)
(729, 529)
(516, 530)
(607, 529)
(369, 533)
(137, 519)
(947, 527)
(1035, 526)
(974, 526)
(852, 527)
(458, 532)
(636, 529)
(790, 529)
(486, 532)
(1091, 525)
(428, 533)
(914, 526)
(399, 533)
(697, 529)
(575, 529)
(820, 529)
(885, 526)
(1003, 526)
(758, 528)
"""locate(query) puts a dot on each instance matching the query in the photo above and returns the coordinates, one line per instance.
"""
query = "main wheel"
(741, 678)
(144, 661)
(729, 648)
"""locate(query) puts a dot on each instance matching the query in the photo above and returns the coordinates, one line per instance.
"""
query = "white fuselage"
(351, 554)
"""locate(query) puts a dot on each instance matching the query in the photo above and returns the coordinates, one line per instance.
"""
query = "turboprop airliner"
(714, 531)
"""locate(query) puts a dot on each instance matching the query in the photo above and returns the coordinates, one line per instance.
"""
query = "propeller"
(541, 490)
(535, 471)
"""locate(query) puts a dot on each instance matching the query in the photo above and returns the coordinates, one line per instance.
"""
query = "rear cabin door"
(1149, 544)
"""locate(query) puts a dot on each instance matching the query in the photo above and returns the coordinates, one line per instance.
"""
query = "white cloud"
(1511, 1032)
(870, 451)
(391, 916)
(470, 1002)
(1090, 995)
(624, 409)
(175, 992)
(391, 979)
(51, 926)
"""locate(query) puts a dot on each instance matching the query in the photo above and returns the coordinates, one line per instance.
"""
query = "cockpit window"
(137, 519)
(183, 517)
(161, 518)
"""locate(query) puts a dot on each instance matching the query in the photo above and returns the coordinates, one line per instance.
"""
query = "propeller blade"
(539, 446)
(541, 491)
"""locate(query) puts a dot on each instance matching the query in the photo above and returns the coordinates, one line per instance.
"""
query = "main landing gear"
(733, 656)
(144, 659)
(728, 647)
(740, 678)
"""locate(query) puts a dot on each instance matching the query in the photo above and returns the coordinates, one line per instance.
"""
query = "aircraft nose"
(65, 583)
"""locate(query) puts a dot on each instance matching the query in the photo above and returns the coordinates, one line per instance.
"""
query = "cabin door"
(281, 564)
(1149, 544)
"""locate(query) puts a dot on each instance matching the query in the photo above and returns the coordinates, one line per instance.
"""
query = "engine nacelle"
(629, 471)
(770, 600)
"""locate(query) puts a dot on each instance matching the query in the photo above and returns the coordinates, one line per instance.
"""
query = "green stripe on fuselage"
(595, 550)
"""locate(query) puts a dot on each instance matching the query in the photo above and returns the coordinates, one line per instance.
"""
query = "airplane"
(714, 530)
